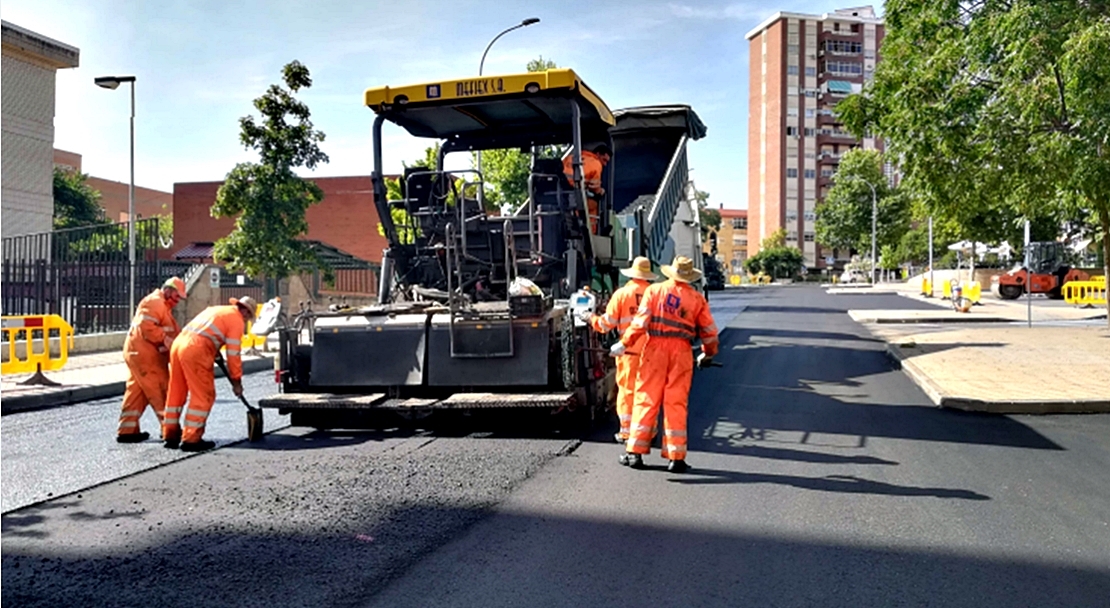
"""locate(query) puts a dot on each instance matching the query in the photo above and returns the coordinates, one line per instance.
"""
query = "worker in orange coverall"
(673, 315)
(191, 359)
(618, 315)
(593, 162)
(147, 354)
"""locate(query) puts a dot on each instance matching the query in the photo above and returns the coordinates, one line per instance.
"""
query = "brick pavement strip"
(85, 377)
(1013, 370)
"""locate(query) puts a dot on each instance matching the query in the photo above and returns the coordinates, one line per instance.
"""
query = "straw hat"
(245, 302)
(682, 269)
(640, 269)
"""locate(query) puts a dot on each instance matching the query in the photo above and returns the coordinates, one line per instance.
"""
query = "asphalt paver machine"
(453, 333)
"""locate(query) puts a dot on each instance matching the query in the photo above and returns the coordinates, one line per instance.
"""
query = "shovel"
(254, 414)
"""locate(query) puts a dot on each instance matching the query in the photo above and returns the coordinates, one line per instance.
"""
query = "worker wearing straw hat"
(618, 316)
(672, 315)
(191, 358)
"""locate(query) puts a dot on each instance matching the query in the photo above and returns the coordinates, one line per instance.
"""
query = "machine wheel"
(1009, 292)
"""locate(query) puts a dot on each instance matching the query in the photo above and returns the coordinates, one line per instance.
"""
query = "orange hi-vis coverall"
(191, 360)
(618, 315)
(591, 176)
(147, 360)
(673, 315)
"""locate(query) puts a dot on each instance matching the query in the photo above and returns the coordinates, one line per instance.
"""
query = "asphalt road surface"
(822, 477)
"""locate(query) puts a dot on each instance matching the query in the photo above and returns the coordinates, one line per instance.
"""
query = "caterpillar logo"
(485, 86)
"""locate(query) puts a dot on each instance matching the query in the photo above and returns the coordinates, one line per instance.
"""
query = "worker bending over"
(593, 162)
(146, 350)
(618, 315)
(191, 359)
(673, 315)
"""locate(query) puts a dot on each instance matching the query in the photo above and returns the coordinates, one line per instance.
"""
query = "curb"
(58, 398)
(1003, 406)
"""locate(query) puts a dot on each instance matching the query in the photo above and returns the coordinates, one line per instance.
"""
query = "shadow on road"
(830, 483)
(519, 559)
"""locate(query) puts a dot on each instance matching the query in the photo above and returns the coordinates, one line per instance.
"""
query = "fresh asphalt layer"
(52, 452)
(822, 476)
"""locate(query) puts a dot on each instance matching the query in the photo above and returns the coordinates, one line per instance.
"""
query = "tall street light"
(481, 66)
(112, 83)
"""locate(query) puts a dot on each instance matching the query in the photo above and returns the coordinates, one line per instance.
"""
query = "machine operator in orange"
(593, 162)
(618, 315)
(191, 359)
(672, 315)
(146, 350)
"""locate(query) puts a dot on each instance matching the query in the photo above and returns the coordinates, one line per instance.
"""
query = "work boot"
(678, 466)
(172, 442)
(197, 446)
(133, 437)
(634, 461)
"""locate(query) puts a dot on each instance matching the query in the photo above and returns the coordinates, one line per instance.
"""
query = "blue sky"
(199, 64)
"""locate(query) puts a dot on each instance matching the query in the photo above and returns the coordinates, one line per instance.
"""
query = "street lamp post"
(481, 66)
(112, 83)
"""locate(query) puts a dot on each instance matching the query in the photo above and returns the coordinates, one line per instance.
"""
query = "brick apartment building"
(30, 63)
(113, 195)
(346, 219)
(800, 67)
(732, 240)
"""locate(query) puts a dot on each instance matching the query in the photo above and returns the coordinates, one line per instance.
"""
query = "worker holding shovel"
(192, 356)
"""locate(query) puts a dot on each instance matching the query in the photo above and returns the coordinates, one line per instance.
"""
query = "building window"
(849, 68)
(809, 132)
(811, 92)
(869, 54)
(792, 235)
(811, 155)
(810, 112)
(792, 112)
(791, 49)
(791, 216)
(826, 172)
(810, 216)
(810, 174)
(843, 47)
(791, 172)
(791, 70)
(808, 237)
(811, 71)
(792, 131)
(739, 223)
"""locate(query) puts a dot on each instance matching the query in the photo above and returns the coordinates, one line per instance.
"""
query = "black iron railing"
(81, 274)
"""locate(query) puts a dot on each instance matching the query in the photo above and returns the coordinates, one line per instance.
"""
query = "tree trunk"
(1104, 220)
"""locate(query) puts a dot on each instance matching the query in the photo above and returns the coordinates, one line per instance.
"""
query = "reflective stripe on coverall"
(149, 374)
(191, 359)
(591, 177)
(673, 315)
(618, 315)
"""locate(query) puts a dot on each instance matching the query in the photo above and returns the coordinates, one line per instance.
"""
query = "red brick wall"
(755, 100)
(345, 219)
(775, 176)
(113, 197)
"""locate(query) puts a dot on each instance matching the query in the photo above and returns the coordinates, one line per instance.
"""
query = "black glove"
(704, 361)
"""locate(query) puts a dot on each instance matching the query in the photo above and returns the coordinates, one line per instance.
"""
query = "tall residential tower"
(800, 67)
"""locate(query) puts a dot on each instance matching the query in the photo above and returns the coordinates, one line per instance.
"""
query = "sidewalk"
(1010, 369)
(85, 377)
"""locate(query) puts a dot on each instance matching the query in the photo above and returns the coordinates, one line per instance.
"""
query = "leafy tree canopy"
(76, 204)
(996, 111)
(844, 218)
(267, 198)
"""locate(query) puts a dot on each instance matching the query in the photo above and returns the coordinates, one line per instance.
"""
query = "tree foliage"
(506, 171)
(775, 258)
(76, 203)
(267, 198)
(710, 219)
(844, 218)
(996, 111)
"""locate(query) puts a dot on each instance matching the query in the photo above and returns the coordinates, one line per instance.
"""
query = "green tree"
(997, 111)
(710, 219)
(407, 231)
(505, 171)
(844, 218)
(775, 258)
(76, 203)
(267, 198)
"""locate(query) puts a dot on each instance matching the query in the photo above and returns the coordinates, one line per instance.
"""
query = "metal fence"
(232, 286)
(81, 274)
